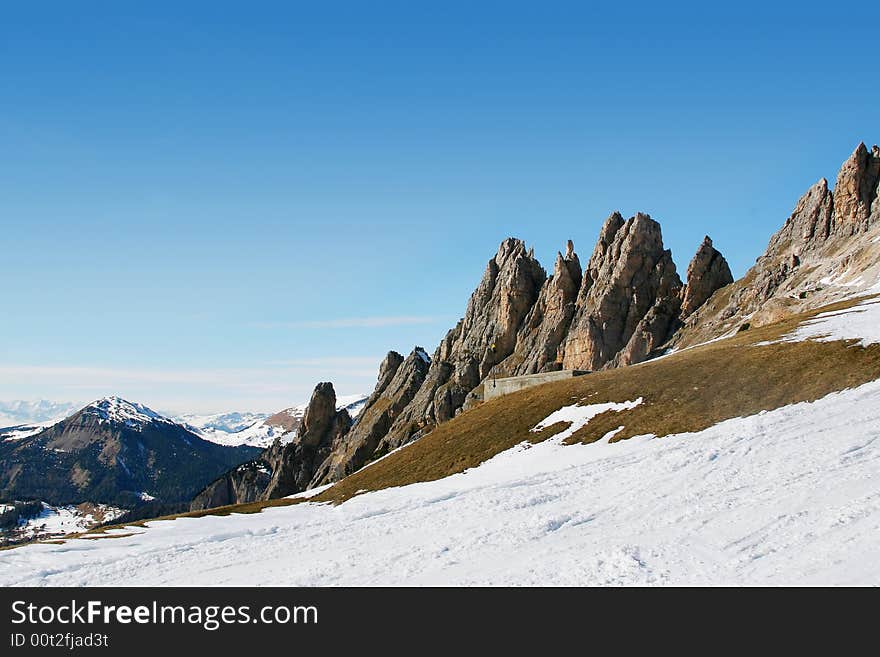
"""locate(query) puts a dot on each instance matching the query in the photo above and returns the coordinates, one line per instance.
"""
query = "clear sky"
(213, 206)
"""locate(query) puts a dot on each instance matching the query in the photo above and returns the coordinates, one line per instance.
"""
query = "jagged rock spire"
(707, 272)
(855, 191)
(376, 419)
(322, 429)
(826, 250)
(629, 275)
(546, 324)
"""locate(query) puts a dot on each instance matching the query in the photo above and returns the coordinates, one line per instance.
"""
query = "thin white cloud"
(353, 322)
(265, 387)
(11, 374)
(330, 361)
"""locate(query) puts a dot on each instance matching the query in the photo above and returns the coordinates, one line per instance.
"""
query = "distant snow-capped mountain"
(258, 429)
(41, 411)
(113, 452)
(22, 419)
(224, 422)
(115, 410)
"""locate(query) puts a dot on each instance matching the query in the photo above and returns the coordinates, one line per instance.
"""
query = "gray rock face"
(496, 310)
(283, 470)
(707, 273)
(353, 450)
(629, 297)
(855, 192)
(485, 336)
(244, 484)
(546, 324)
(294, 465)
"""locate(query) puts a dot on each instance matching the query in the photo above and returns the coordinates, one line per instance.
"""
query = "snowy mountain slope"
(354, 404)
(55, 521)
(23, 431)
(790, 496)
(231, 422)
(115, 410)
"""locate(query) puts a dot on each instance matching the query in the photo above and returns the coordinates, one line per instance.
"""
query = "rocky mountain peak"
(507, 291)
(323, 427)
(629, 274)
(375, 421)
(707, 272)
(319, 415)
(114, 409)
(546, 324)
(825, 250)
(855, 191)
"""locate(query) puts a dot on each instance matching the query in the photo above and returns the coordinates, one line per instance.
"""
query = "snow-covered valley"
(54, 521)
(790, 496)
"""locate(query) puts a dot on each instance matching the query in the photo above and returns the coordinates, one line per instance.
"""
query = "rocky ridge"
(627, 305)
(517, 321)
(825, 250)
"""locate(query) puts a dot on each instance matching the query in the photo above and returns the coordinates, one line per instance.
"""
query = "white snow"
(259, 434)
(60, 520)
(579, 416)
(119, 411)
(229, 422)
(790, 496)
(354, 404)
(860, 322)
(235, 428)
(23, 431)
(843, 280)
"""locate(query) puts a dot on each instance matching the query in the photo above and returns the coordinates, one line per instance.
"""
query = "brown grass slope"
(687, 391)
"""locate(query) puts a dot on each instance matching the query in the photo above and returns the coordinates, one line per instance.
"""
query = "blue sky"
(213, 206)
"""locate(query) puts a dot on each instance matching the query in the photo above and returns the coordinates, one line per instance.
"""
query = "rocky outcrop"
(508, 290)
(620, 310)
(826, 250)
(283, 469)
(855, 192)
(384, 406)
(485, 336)
(244, 484)
(294, 465)
(546, 324)
(629, 298)
(707, 272)
(518, 321)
